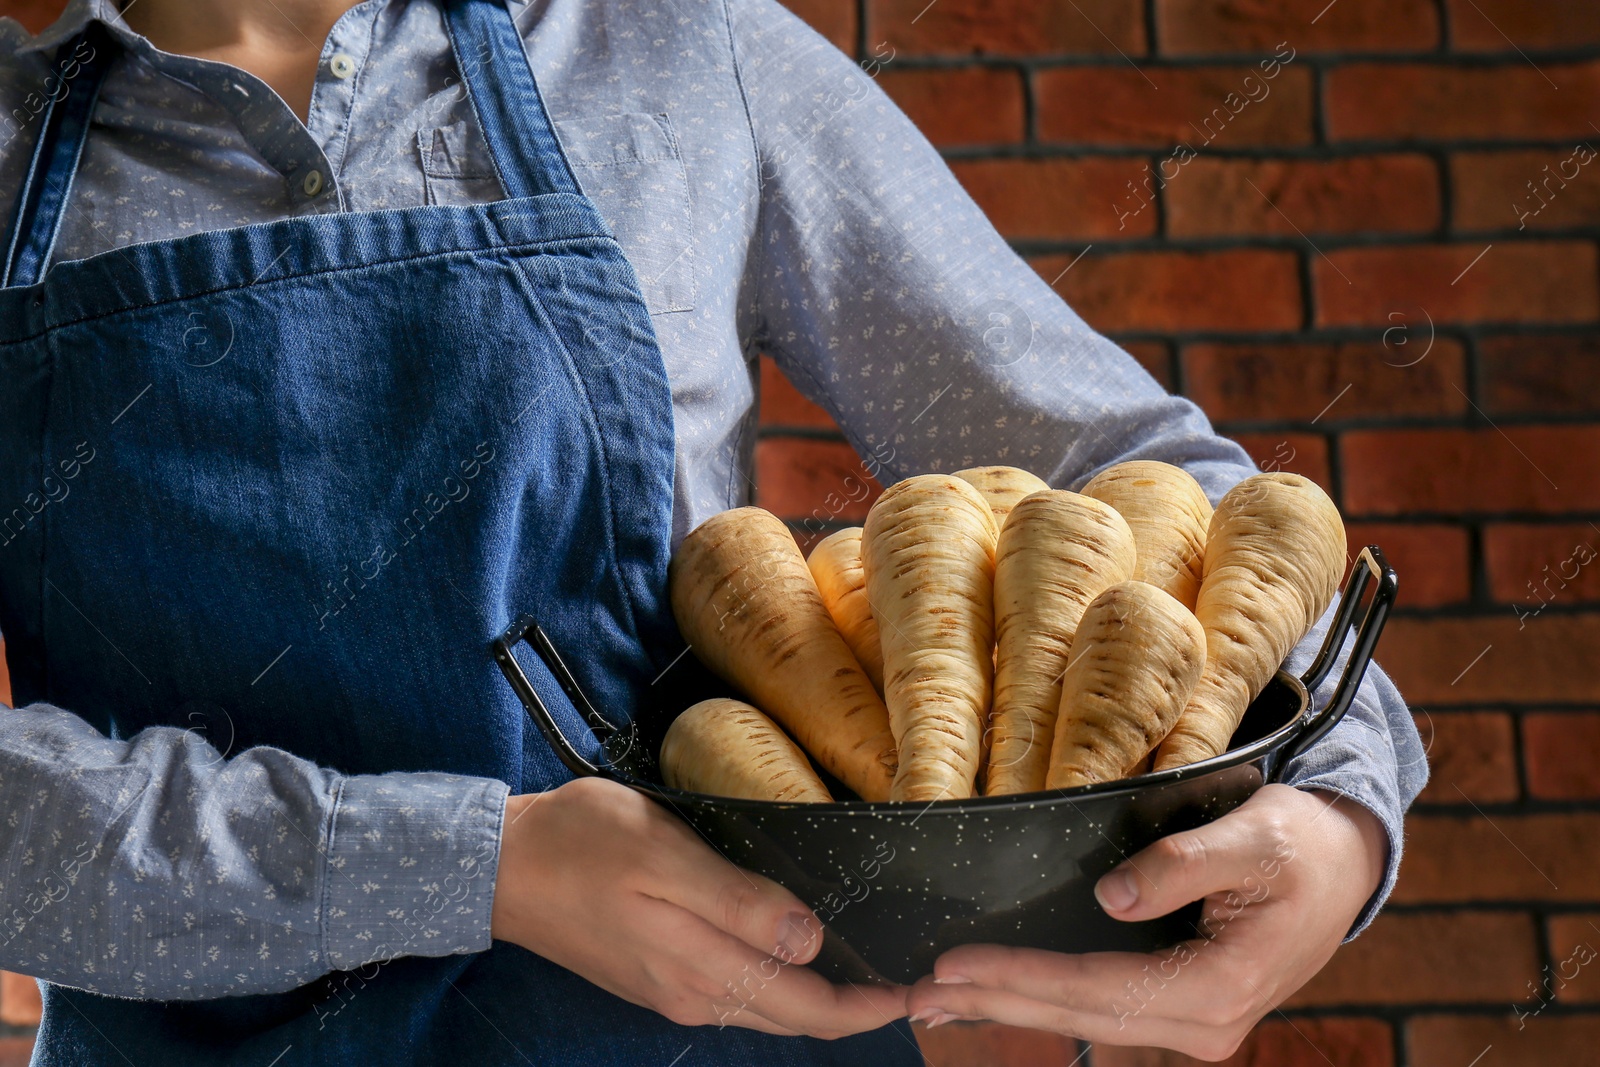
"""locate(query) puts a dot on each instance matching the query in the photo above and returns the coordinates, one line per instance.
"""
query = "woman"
(322, 365)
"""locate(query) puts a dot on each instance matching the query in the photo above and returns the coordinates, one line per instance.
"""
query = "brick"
(1541, 375)
(1297, 453)
(1502, 1041)
(15, 1051)
(1262, 382)
(1458, 859)
(1016, 28)
(1428, 958)
(963, 1044)
(1528, 281)
(1524, 468)
(1436, 102)
(1315, 1042)
(1431, 559)
(1573, 974)
(1548, 663)
(1533, 566)
(834, 19)
(5, 677)
(1471, 755)
(1154, 357)
(1288, 198)
(1485, 25)
(1060, 199)
(1535, 189)
(1561, 754)
(1155, 292)
(804, 479)
(782, 405)
(20, 1004)
(957, 108)
(1200, 27)
(1185, 105)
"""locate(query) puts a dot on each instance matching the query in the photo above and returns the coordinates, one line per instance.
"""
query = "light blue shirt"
(771, 199)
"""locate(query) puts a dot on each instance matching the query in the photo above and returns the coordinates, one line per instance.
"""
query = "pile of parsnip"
(984, 633)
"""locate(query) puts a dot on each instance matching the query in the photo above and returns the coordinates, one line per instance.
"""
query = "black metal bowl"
(897, 884)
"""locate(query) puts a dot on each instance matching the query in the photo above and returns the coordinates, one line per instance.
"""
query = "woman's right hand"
(601, 880)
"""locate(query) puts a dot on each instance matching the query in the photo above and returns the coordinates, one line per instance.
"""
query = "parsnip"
(747, 604)
(1002, 487)
(729, 749)
(1057, 552)
(1136, 659)
(836, 565)
(928, 549)
(1275, 552)
(1168, 513)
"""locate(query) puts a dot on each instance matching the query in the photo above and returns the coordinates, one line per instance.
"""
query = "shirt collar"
(262, 119)
(77, 15)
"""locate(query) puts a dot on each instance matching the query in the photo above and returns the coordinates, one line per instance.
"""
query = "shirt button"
(341, 65)
(312, 183)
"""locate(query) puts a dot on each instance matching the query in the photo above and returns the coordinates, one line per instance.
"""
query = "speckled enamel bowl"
(897, 884)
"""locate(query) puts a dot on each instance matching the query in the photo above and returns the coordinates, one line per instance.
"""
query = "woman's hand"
(1283, 877)
(603, 881)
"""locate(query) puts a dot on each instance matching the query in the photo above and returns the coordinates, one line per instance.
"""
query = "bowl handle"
(1370, 565)
(526, 629)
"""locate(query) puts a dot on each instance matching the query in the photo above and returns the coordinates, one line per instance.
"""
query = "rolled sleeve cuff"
(410, 867)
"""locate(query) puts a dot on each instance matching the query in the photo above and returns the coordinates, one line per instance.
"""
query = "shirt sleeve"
(885, 295)
(157, 869)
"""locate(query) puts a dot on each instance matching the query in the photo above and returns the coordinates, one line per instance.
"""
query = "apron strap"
(42, 200)
(522, 142)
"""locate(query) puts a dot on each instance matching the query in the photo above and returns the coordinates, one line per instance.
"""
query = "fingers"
(660, 919)
(718, 979)
(798, 999)
(741, 941)
(1094, 983)
(1240, 852)
(694, 1009)
(1204, 983)
(1014, 1009)
(708, 977)
(1272, 928)
(818, 1007)
(1129, 1028)
(756, 910)
(1076, 983)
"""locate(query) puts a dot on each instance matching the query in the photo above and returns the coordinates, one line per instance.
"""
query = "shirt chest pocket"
(629, 164)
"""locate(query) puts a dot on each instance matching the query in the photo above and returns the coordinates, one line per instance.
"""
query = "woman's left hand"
(1283, 876)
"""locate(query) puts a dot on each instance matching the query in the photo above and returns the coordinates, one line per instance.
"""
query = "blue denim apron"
(332, 457)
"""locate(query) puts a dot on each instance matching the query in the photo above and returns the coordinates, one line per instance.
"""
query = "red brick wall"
(1340, 276)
